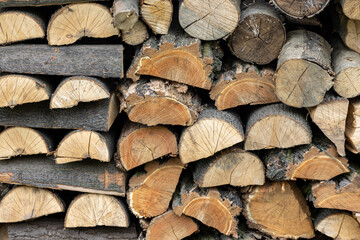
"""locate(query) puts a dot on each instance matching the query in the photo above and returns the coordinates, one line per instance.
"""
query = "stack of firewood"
(238, 119)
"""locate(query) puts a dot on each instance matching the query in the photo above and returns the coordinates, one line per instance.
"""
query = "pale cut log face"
(346, 83)
(91, 210)
(18, 26)
(301, 8)
(136, 35)
(339, 226)
(24, 203)
(157, 14)
(20, 89)
(17, 141)
(352, 37)
(80, 20)
(351, 9)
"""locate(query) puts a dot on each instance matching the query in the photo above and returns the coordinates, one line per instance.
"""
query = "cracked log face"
(20, 141)
(24, 203)
(214, 131)
(351, 9)
(73, 90)
(301, 8)
(157, 14)
(352, 131)
(126, 14)
(276, 126)
(278, 209)
(209, 20)
(150, 193)
(21, 89)
(139, 144)
(19, 26)
(75, 21)
(91, 210)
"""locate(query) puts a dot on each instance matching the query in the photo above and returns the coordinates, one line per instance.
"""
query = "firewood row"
(179, 119)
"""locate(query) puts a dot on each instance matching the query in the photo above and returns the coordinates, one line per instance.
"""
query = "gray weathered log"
(24, 3)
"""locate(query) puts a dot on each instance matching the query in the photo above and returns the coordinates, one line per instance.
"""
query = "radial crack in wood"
(301, 8)
(157, 14)
(125, 13)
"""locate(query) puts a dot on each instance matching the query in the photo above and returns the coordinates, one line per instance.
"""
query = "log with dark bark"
(136, 35)
(301, 8)
(233, 166)
(75, 21)
(244, 84)
(177, 57)
(19, 26)
(259, 36)
(38, 115)
(91, 210)
(209, 20)
(39, 171)
(157, 14)
(352, 131)
(24, 203)
(214, 130)
(278, 209)
(87, 60)
(150, 193)
(35, 3)
(351, 9)
(159, 102)
(139, 144)
(125, 14)
(303, 72)
(276, 126)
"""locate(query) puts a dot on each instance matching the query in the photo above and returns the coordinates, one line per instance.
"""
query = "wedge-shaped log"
(92, 177)
(25, 3)
(20, 89)
(136, 35)
(177, 57)
(139, 144)
(352, 131)
(75, 21)
(303, 72)
(214, 131)
(91, 210)
(209, 20)
(150, 193)
(170, 226)
(301, 8)
(212, 207)
(278, 209)
(351, 9)
(157, 14)
(20, 141)
(125, 13)
(276, 126)
(19, 26)
(244, 84)
(159, 102)
(88, 60)
(38, 115)
(233, 166)
(260, 34)
(24, 203)
(336, 224)
(82, 144)
(347, 29)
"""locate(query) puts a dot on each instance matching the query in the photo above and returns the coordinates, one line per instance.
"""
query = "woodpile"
(179, 119)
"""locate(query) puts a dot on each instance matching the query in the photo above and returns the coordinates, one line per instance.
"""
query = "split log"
(82, 144)
(209, 20)
(20, 141)
(276, 126)
(75, 21)
(352, 131)
(139, 144)
(259, 36)
(36, 3)
(53, 228)
(150, 193)
(21, 89)
(177, 57)
(73, 90)
(19, 26)
(338, 225)
(233, 166)
(316, 161)
(330, 117)
(91, 210)
(87, 60)
(303, 69)
(346, 64)
(40, 171)
(157, 14)
(96, 116)
(213, 207)
(125, 14)
(159, 102)
(24, 203)
(213, 131)
(169, 226)
(351, 9)
(136, 35)
(278, 209)
(244, 84)
(301, 8)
